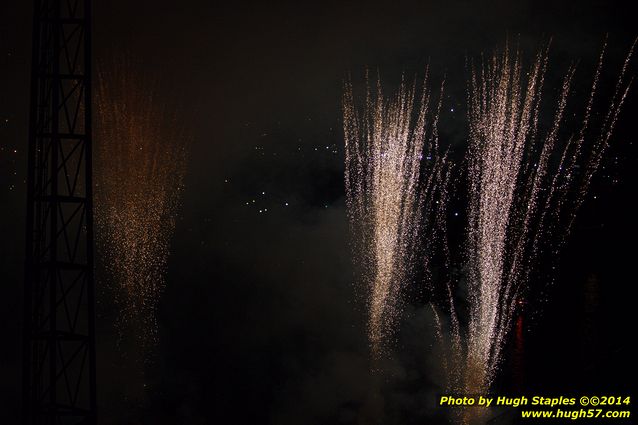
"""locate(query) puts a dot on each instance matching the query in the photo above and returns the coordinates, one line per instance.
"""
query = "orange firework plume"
(140, 164)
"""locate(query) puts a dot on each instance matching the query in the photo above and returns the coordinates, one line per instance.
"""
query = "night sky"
(260, 322)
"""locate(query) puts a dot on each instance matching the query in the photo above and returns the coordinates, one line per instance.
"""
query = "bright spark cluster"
(513, 183)
(525, 183)
(140, 164)
(385, 154)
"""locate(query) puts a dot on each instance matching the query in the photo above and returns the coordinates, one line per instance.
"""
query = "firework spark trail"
(140, 163)
(497, 141)
(452, 365)
(606, 130)
(509, 199)
(385, 151)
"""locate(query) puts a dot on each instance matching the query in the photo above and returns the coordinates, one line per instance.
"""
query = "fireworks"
(140, 163)
(503, 119)
(388, 146)
(525, 183)
(513, 185)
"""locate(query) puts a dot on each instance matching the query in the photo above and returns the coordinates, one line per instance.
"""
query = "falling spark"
(513, 184)
(140, 164)
(385, 145)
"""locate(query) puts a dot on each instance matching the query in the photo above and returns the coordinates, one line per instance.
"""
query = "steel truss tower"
(59, 328)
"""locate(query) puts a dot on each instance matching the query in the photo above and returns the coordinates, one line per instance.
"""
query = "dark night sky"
(259, 323)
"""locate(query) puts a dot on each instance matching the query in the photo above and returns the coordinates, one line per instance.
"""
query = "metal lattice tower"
(59, 328)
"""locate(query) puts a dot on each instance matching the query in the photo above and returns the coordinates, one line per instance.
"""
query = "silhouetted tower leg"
(59, 335)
